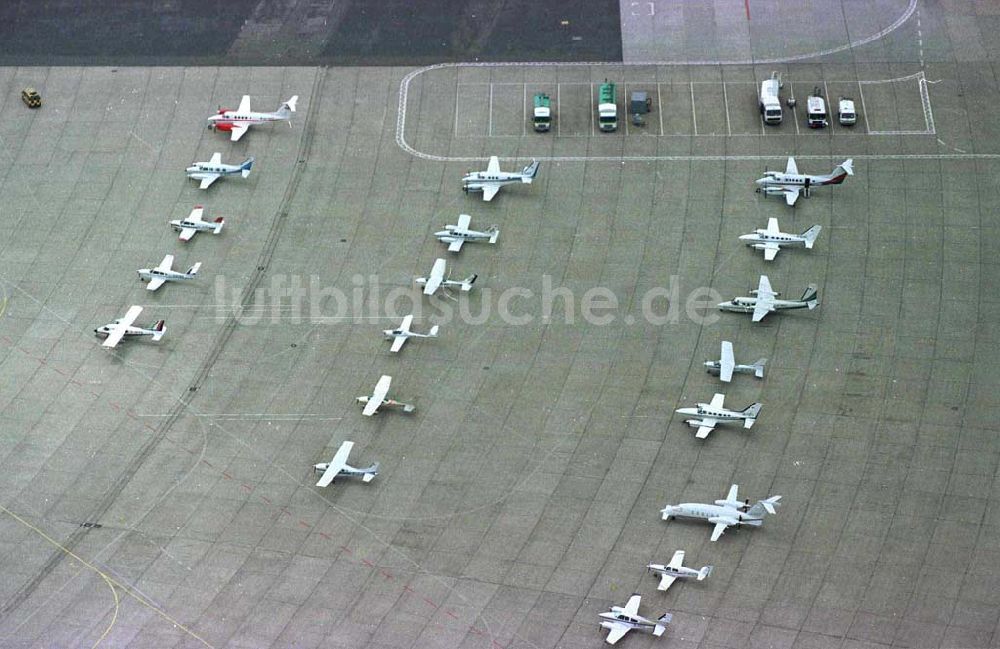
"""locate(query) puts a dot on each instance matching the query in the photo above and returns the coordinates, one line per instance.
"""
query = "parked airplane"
(456, 235)
(726, 365)
(675, 570)
(712, 413)
(338, 467)
(622, 619)
(122, 327)
(239, 121)
(490, 181)
(436, 279)
(402, 332)
(771, 239)
(724, 513)
(163, 273)
(209, 172)
(762, 301)
(792, 183)
(193, 224)
(378, 400)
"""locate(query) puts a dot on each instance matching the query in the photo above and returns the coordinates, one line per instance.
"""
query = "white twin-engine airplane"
(622, 619)
(724, 513)
(239, 121)
(122, 327)
(675, 570)
(763, 301)
(209, 172)
(436, 279)
(490, 181)
(193, 224)
(164, 273)
(792, 183)
(402, 332)
(456, 235)
(712, 413)
(338, 467)
(771, 239)
(378, 400)
(726, 365)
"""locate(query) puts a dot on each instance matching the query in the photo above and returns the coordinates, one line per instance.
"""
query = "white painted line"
(694, 114)
(829, 106)
(558, 112)
(524, 110)
(861, 94)
(592, 133)
(458, 88)
(659, 106)
(725, 99)
(490, 130)
(625, 102)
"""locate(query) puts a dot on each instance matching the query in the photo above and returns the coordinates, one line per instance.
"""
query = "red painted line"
(41, 360)
(284, 510)
(131, 414)
(326, 536)
(386, 575)
(150, 427)
(208, 464)
(429, 602)
(8, 340)
(451, 615)
(75, 382)
(59, 370)
(304, 524)
(266, 499)
(115, 406)
(746, 4)
(226, 476)
(247, 487)
(475, 630)
(346, 549)
(94, 394)
(368, 563)
(406, 588)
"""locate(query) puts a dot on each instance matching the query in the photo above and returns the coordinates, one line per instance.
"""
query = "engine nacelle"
(223, 126)
(773, 191)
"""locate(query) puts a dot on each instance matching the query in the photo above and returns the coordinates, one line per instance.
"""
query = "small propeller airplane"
(239, 121)
(490, 181)
(378, 398)
(402, 332)
(338, 467)
(164, 273)
(209, 172)
(724, 513)
(792, 183)
(763, 300)
(193, 224)
(436, 279)
(456, 235)
(771, 240)
(713, 413)
(726, 365)
(122, 327)
(622, 619)
(675, 570)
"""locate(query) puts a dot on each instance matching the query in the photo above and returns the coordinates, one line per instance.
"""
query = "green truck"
(607, 107)
(542, 118)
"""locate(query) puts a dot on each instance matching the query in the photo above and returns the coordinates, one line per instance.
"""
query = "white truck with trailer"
(770, 100)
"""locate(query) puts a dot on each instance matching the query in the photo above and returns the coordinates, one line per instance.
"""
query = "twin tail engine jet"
(239, 121)
(724, 513)
(490, 181)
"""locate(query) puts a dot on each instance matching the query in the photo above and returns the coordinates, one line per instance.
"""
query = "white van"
(846, 113)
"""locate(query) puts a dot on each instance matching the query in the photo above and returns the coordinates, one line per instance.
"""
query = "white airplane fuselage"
(712, 513)
(747, 304)
(199, 226)
(475, 181)
(201, 170)
(715, 367)
(349, 471)
(148, 274)
(617, 615)
(705, 410)
(682, 572)
(782, 239)
(130, 332)
(454, 234)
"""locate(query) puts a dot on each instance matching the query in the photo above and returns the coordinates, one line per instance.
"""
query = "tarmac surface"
(161, 495)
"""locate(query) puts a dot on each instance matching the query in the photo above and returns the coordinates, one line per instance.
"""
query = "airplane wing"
(407, 321)
(455, 245)
(207, 181)
(155, 283)
(216, 159)
(237, 131)
(761, 309)
(771, 251)
(764, 287)
(677, 561)
(791, 195)
(186, 234)
(196, 214)
(616, 632)
(167, 263)
(397, 343)
(719, 529)
(772, 226)
(490, 190)
(436, 277)
(631, 607)
(378, 395)
(494, 166)
(717, 401)
(463, 221)
(791, 168)
(336, 464)
(705, 427)
(727, 363)
(118, 330)
(666, 581)
(734, 493)
(244, 105)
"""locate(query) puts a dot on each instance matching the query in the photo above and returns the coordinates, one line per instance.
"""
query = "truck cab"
(542, 117)
(770, 100)
(607, 107)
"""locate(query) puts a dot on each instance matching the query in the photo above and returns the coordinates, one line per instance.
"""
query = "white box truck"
(770, 100)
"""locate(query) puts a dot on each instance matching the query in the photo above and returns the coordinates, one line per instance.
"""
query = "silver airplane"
(401, 333)
(771, 239)
(710, 414)
(490, 181)
(622, 619)
(763, 301)
(456, 235)
(209, 172)
(676, 570)
(237, 122)
(164, 273)
(436, 279)
(338, 467)
(123, 328)
(791, 183)
(726, 365)
(193, 224)
(729, 512)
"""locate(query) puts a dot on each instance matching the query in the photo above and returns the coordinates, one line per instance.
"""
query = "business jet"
(792, 183)
(239, 121)
(456, 235)
(710, 414)
(193, 224)
(338, 467)
(164, 273)
(771, 239)
(763, 301)
(378, 399)
(209, 172)
(490, 181)
(436, 279)
(726, 365)
(400, 334)
(676, 570)
(724, 513)
(622, 619)
(122, 327)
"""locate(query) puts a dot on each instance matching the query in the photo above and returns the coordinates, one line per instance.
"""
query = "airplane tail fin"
(661, 624)
(766, 506)
(841, 171)
(370, 473)
(468, 282)
(810, 297)
(287, 108)
(219, 222)
(810, 235)
(194, 269)
(758, 368)
(704, 572)
(750, 413)
(159, 328)
(247, 166)
(433, 332)
(494, 233)
(530, 172)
